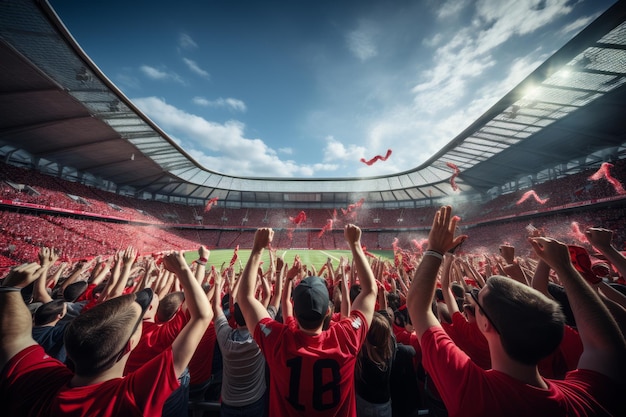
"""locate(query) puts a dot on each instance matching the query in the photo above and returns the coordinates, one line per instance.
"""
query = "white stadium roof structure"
(60, 114)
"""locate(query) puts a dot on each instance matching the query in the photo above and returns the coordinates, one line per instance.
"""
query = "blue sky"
(305, 88)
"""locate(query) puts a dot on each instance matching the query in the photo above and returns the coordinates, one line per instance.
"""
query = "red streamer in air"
(419, 246)
(397, 255)
(235, 256)
(604, 172)
(352, 207)
(299, 219)
(529, 194)
(454, 175)
(377, 158)
(371, 255)
(577, 233)
(327, 227)
(210, 204)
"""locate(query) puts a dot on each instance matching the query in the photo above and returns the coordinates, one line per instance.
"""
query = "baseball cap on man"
(310, 299)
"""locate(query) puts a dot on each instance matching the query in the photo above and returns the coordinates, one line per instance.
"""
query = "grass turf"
(313, 257)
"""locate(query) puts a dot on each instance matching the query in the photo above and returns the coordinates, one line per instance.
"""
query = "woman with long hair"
(373, 370)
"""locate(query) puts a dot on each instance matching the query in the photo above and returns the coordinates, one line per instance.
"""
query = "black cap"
(310, 299)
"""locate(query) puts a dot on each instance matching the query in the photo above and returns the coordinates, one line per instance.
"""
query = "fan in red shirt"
(98, 343)
(521, 326)
(311, 369)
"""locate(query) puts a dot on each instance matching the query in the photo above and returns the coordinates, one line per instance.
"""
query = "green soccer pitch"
(313, 257)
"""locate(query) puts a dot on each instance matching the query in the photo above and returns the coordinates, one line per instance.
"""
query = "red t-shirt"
(468, 390)
(33, 384)
(410, 339)
(564, 358)
(312, 375)
(468, 337)
(201, 363)
(155, 338)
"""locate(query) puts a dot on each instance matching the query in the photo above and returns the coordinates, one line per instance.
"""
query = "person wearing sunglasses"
(521, 326)
(98, 343)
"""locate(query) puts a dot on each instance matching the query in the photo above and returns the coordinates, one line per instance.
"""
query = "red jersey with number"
(312, 375)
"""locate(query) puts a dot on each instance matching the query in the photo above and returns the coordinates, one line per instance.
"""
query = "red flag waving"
(299, 219)
(235, 256)
(454, 175)
(377, 158)
(210, 204)
(604, 172)
(533, 194)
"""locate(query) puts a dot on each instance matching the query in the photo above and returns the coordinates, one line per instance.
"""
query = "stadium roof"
(60, 112)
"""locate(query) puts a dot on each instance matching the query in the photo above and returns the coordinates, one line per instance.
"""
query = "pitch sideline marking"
(329, 255)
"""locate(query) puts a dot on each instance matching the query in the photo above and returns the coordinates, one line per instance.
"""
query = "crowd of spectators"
(390, 363)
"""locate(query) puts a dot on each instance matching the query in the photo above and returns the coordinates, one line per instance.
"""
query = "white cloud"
(194, 67)
(286, 151)
(501, 19)
(361, 41)
(451, 8)
(337, 151)
(577, 25)
(186, 42)
(230, 103)
(157, 74)
(200, 101)
(220, 147)
(467, 56)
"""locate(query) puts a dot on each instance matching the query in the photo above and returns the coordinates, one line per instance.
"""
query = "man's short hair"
(74, 290)
(355, 290)
(169, 305)
(310, 302)
(95, 338)
(531, 325)
(48, 312)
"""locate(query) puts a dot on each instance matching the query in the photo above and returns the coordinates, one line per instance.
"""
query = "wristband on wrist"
(9, 289)
(434, 253)
(202, 261)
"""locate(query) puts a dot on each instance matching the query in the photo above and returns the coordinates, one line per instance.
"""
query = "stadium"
(84, 171)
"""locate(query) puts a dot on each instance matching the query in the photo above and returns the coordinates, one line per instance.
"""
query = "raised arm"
(601, 240)
(448, 296)
(365, 302)
(47, 258)
(285, 300)
(203, 258)
(604, 345)
(541, 277)
(252, 309)
(15, 319)
(419, 299)
(200, 312)
(345, 291)
(277, 294)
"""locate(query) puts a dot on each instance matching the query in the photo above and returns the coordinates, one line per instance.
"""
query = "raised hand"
(22, 275)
